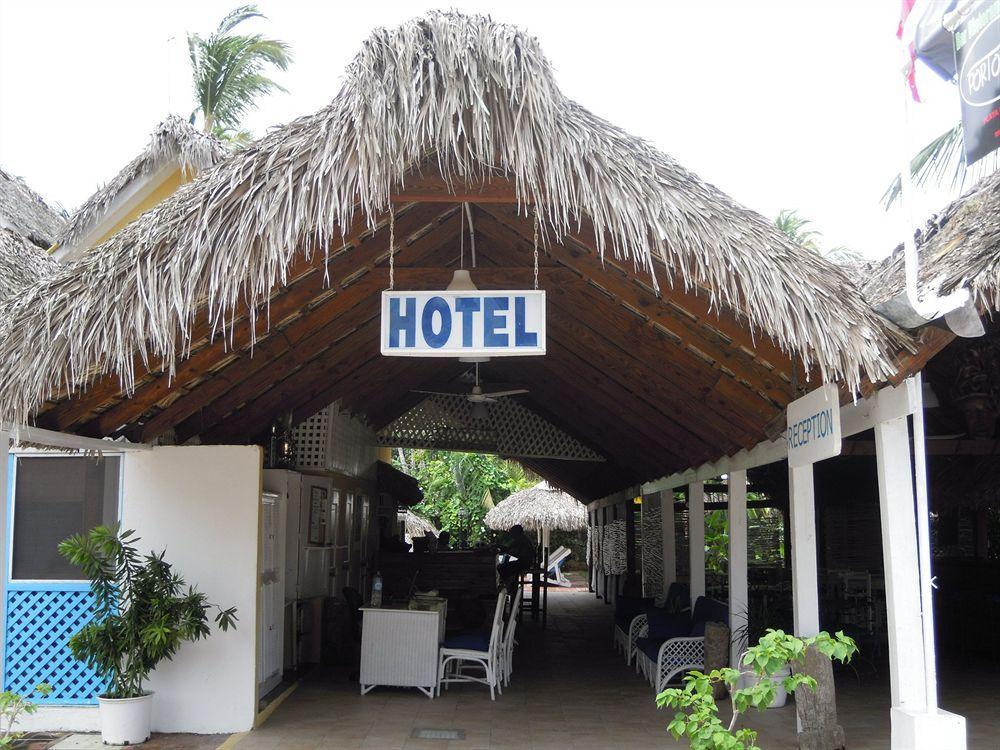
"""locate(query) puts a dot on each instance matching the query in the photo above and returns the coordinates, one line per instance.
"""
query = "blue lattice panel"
(40, 621)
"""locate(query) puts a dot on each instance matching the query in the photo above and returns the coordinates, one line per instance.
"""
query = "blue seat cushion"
(649, 646)
(709, 610)
(628, 607)
(664, 624)
(472, 641)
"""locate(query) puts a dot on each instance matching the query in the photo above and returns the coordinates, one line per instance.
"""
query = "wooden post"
(899, 554)
(669, 537)
(739, 594)
(802, 520)
(696, 539)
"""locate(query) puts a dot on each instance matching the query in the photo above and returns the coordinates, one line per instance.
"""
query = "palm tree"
(228, 71)
(789, 222)
(796, 227)
(940, 161)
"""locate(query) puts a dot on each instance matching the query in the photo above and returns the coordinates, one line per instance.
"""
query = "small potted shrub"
(143, 612)
(697, 718)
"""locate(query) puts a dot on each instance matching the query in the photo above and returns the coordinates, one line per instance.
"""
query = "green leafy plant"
(12, 706)
(143, 611)
(697, 718)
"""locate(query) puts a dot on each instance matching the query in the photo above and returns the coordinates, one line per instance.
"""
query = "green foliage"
(12, 706)
(228, 72)
(798, 230)
(457, 488)
(697, 718)
(143, 611)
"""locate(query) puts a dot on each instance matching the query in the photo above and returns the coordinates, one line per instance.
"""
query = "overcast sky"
(793, 104)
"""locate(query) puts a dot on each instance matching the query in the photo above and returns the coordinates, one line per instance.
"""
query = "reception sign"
(463, 323)
(814, 426)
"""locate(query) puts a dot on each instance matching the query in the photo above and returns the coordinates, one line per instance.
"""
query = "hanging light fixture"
(461, 281)
(479, 411)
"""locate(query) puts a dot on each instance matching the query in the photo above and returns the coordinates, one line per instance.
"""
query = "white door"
(270, 641)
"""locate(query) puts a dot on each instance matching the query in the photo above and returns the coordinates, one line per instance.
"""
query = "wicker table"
(399, 646)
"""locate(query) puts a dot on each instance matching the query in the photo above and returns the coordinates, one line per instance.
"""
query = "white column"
(696, 539)
(899, 555)
(4, 552)
(669, 539)
(739, 594)
(802, 520)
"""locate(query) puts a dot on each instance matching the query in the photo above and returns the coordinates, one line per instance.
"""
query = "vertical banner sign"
(814, 426)
(977, 60)
(463, 324)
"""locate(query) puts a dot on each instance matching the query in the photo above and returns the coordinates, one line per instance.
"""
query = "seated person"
(520, 547)
(444, 541)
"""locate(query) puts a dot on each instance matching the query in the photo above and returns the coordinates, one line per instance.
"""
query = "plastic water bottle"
(377, 590)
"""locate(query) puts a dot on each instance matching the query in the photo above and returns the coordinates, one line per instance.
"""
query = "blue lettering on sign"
(465, 306)
(522, 337)
(402, 322)
(440, 338)
(492, 320)
(814, 427)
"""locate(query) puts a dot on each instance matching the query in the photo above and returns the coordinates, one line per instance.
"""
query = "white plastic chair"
(507, 642)
(454, 660)
(554, 572)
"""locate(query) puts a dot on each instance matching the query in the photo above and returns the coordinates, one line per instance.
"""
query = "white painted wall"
(201, 503)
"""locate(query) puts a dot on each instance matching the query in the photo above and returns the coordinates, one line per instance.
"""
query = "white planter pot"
(748, 679)
(125, 721)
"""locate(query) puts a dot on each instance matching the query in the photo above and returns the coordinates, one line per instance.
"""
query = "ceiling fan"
(477, 395)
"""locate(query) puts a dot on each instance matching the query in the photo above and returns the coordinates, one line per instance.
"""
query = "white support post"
(739, 590)
(696, 539)
(4, 552)
(802, 520)
(902, 574)
(669, 537)
(914, 726)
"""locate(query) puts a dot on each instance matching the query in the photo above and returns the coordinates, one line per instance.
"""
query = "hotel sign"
(814, 426)
(463, 323)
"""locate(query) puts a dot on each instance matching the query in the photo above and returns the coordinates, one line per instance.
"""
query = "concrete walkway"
(569, 691)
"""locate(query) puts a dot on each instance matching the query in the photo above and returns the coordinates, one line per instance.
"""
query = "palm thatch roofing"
(22, 263)
(538, 508)
(25, 212)
(959, 247)
(685, 321)
(416, 525)
(173, 141)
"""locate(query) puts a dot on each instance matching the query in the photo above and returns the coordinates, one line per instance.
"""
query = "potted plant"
(143, 612)
(742, 637)
(697, 718)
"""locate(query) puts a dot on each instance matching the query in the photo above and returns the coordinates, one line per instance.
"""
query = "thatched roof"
(417, 525)
(26, 213)
(174, 140)
(22, 263)
(475, 100)
(538, 508)
(958, 247)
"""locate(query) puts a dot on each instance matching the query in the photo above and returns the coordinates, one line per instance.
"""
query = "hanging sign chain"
(392, 250)
(536, 249)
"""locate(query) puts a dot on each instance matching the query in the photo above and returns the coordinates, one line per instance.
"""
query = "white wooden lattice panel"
(312, 439)
(445, 421)
(332, 440)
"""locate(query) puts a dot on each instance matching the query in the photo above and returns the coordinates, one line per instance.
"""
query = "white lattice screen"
(332, 440)
(445, 421)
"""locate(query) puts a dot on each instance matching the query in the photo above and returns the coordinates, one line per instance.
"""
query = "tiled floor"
(569, 691)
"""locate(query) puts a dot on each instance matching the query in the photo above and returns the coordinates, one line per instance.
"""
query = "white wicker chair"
(507, 642)
(455, 661)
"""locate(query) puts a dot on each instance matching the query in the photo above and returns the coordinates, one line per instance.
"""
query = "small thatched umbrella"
(415, 525)
(541, 508)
